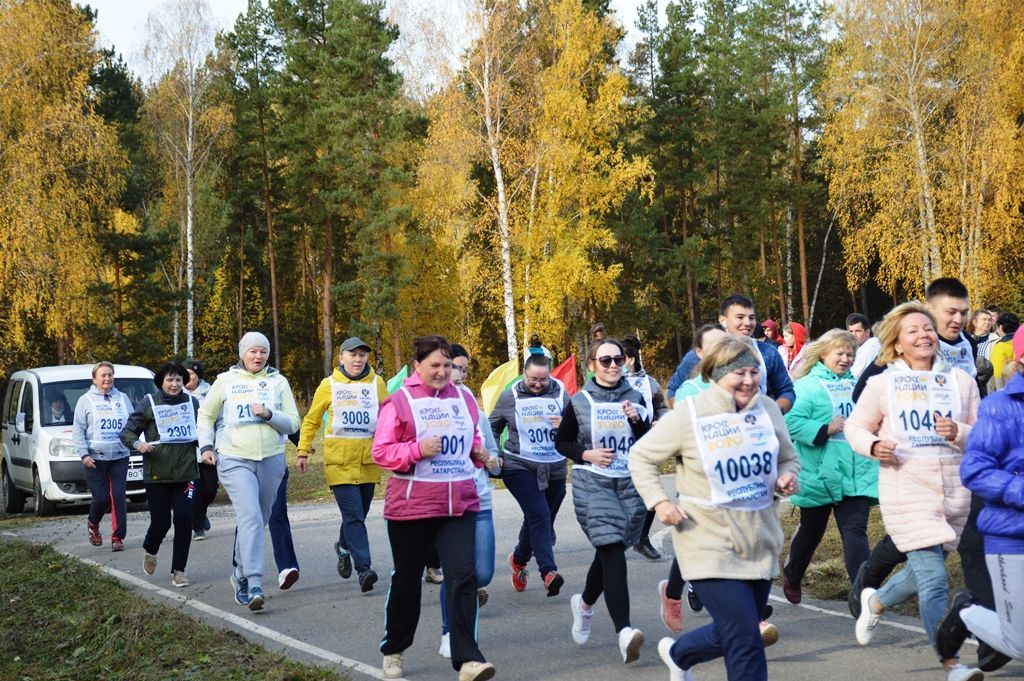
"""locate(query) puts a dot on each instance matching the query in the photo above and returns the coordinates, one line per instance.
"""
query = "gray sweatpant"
(1004, 628)
(252, 487)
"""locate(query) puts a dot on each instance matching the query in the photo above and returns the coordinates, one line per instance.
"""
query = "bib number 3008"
(742, 467)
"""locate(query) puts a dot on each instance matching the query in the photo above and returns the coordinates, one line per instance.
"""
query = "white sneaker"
(179, 579)
(393, 666)
(630, 640)
(866, 623)
(446, 646)
(476, 671)
(960, 672)
(675, 673)
(287, 577)
(580, 619)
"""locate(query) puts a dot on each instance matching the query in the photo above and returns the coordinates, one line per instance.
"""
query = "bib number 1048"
(743, 467)
(619, 445)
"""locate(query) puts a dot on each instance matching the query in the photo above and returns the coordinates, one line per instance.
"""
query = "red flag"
(566, 373)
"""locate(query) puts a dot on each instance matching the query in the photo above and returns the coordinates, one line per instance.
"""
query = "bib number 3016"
(743, 467)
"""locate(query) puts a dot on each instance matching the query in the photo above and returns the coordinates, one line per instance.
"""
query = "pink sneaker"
(671, 609)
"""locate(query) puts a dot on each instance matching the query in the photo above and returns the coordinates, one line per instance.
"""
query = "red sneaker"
(553, 583)
(94, 534)
(671, 609)
(518, 573)
(116, 544)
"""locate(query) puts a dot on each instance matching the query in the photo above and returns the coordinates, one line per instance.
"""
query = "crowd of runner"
(889, 415)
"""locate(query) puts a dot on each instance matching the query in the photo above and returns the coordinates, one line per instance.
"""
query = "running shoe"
(646, 549)
(199, 535)
(580, 619)
(552, 583)
(367, 578)
(241, 587)
(482, 597)
(286, 578)
(445, 650)
(866, 623)
(95, 538)
(206, 523)
(344, 561)
(434, 575)
(255, 598)
(630, 642)
(116, 544)
(960, 672)
(392, 666)
(675, 673)
(794, 594)
(179, 579)
(671, 608)
(518, 573)
(769, 633)
(692, 599)
(952, 632)
(476, 671)
(148, 563)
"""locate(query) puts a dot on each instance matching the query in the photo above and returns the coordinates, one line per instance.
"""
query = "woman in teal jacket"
(832, 478)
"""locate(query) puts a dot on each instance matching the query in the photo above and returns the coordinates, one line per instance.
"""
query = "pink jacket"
(922, 499)
(395, 448)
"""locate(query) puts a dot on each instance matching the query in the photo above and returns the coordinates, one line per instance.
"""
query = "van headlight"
(62, 448)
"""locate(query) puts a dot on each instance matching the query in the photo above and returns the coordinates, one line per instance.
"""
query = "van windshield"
(57, 405)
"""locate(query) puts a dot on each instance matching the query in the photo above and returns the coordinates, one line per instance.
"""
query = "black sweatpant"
(851, 518)
(607, 575)
(167, 499)
(411, 541)
(206, 492)
(108, 484)
(885, 557)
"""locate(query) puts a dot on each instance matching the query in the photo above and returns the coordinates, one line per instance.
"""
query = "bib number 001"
(452, 445)
(743, 467)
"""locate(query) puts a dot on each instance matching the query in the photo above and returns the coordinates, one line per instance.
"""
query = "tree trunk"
(930, 240)
(268, 212)
(328, 278)
(783, 316)
(396, 345)
(190, 319)
(240, 322)
(798, 189)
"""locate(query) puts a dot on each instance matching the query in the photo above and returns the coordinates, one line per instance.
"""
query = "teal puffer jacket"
(829, 470)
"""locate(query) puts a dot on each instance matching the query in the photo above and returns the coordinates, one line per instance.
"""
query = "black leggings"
(169, 500)
(645, 533)
(851, 518)
(607, 575)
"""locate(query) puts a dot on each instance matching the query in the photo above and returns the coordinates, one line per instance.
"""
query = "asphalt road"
(326, 620)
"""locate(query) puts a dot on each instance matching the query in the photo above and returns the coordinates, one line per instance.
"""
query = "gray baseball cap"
(353, 343)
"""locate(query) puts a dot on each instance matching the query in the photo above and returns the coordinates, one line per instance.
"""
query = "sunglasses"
(608, 360)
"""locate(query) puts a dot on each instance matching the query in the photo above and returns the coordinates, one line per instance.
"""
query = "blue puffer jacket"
(993, 468)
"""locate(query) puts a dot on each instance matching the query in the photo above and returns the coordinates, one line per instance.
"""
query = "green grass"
(63, 619)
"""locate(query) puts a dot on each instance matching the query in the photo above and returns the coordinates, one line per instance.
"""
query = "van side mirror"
(19, 422)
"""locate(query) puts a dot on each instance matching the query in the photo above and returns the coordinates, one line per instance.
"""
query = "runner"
(100, 414)
(914, 419)
(250, 411)
(655, 399)
(206, 483)
(533, 471)
(484, 556)
(167, 420)
(599, 426)
(351, 398)
(427, 435)
(833, 480)
(794, 340)
(732, 454)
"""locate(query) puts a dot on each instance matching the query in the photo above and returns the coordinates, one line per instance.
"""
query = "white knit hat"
(252, 339)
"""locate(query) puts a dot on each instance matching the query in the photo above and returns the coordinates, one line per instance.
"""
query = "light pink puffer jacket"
(922, 500)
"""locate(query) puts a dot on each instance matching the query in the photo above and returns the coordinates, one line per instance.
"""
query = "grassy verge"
(63, 619)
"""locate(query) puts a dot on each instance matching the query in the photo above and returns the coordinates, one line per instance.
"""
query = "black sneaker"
(853, 598)
(990, 659)
(344, 561)
(692, 599)
(646, 549)
(952, 631)
(367, 578)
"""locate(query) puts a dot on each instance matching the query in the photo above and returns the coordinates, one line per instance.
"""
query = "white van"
(39, 459)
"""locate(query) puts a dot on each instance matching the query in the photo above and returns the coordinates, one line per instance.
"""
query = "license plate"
(134, 474)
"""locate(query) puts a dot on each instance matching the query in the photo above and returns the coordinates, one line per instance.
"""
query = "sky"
(122, 23)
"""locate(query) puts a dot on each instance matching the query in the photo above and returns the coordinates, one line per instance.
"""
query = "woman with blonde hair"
(732, 455)
(914, 419)
(833, 480)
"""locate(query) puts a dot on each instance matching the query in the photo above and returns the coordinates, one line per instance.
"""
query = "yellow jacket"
(1002, 354)
(347, 461)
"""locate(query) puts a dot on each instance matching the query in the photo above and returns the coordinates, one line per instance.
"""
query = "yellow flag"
(496, 383)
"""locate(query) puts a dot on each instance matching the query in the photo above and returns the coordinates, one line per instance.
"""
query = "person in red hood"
(794, 337)
(771, 332)
(427, 436)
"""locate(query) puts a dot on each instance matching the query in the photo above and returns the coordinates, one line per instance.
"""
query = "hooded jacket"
(993, 468)
(84, 431)
(254, 441)
(167, 462)
(347, 461)
(504, 415)
(793, 357)
(829, 470)
(395, 448)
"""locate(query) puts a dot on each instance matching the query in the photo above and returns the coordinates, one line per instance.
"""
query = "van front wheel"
(14, 498)
(43, 505)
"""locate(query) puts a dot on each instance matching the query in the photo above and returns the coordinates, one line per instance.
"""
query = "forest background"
(823, 158)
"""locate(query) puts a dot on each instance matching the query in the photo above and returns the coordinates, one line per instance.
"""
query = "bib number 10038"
(743, 467)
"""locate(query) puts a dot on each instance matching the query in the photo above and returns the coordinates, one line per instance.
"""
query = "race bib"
(609, 428)
(915, 399)
(240, 395)
(840, 392)
(642, 385)
(959, 355)
(536, 434)
(449, 419)
(355, 407)
(174, 422)
(108, 418)
(739, 453)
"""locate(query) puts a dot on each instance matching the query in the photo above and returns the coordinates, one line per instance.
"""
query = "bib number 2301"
(744, 466)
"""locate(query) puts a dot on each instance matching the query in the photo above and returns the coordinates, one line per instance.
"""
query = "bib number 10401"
(920, 420)
(743, 467)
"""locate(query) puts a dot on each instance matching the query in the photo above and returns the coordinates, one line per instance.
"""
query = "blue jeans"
(539, 510)
(924, 577)
(354, 504)
(253, 487)
(736, 607)
(484, 560)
